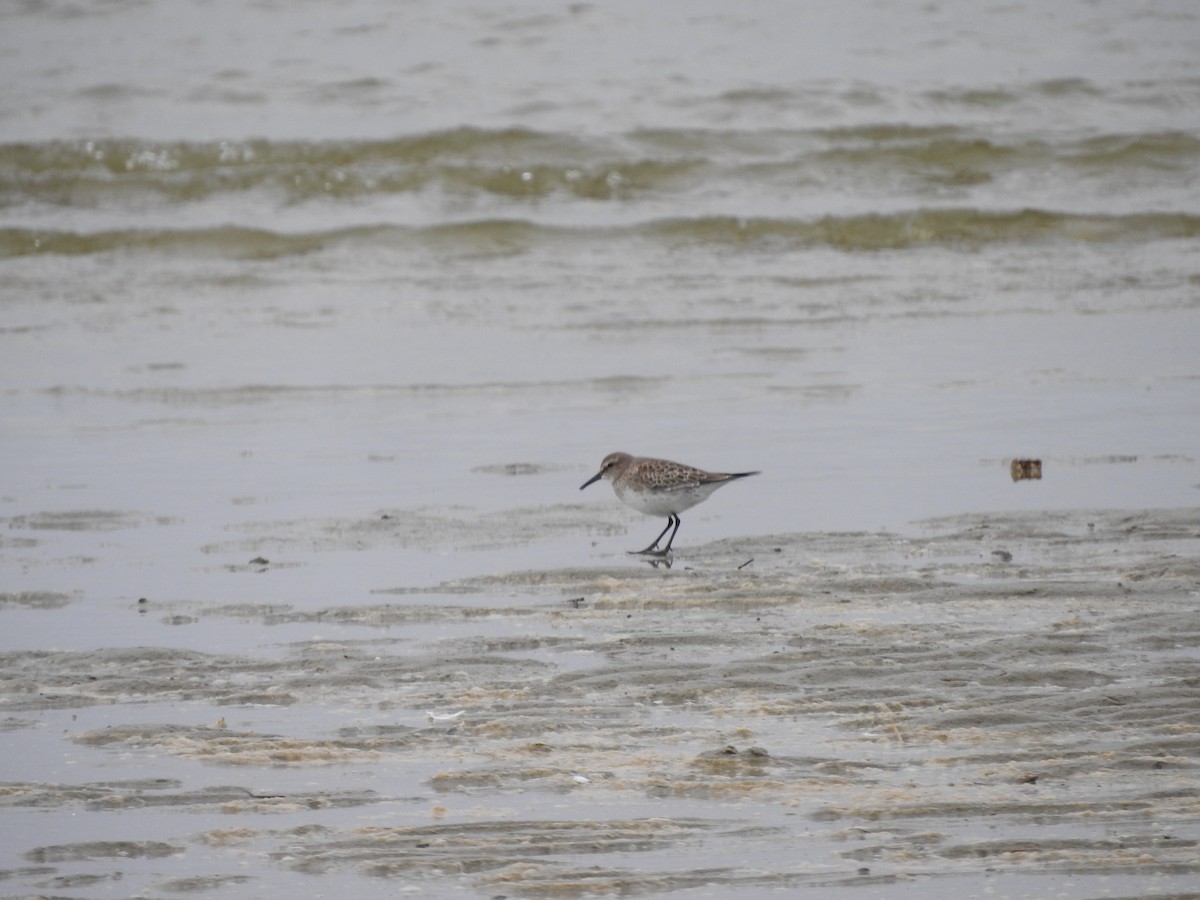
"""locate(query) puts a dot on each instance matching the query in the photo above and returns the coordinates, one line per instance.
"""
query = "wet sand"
(993, 705)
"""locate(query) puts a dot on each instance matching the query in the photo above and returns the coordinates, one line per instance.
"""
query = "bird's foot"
(652, 550)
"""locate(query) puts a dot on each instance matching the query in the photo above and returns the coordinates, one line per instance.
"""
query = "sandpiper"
(659, 487)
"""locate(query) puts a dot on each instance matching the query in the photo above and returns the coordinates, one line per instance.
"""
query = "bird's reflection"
(655, 559)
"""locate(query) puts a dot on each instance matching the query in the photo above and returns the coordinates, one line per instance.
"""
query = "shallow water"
(312, 321)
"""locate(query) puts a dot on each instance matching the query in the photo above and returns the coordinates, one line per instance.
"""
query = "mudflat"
(997, 704)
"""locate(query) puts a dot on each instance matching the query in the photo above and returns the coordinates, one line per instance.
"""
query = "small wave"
(228, 242)
(969, 227)
(523, 165)
(932, 226)
(1163, 150)
(253, 394)
(514, 162)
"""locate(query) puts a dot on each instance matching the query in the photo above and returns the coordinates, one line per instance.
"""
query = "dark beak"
(592, 480)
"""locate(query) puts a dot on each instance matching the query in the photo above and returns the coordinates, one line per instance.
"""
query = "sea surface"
(314, 316)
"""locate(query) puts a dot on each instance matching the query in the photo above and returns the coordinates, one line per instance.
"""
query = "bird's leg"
(652, 549)
(671, 539)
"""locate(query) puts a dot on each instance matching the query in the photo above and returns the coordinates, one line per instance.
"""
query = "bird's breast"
(661, 502)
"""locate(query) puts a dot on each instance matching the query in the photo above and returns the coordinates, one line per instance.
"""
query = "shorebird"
(659, 487)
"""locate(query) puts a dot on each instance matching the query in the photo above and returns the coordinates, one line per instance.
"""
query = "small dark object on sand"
(1022, 469)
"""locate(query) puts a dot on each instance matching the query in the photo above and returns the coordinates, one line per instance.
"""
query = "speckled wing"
(660, 475)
